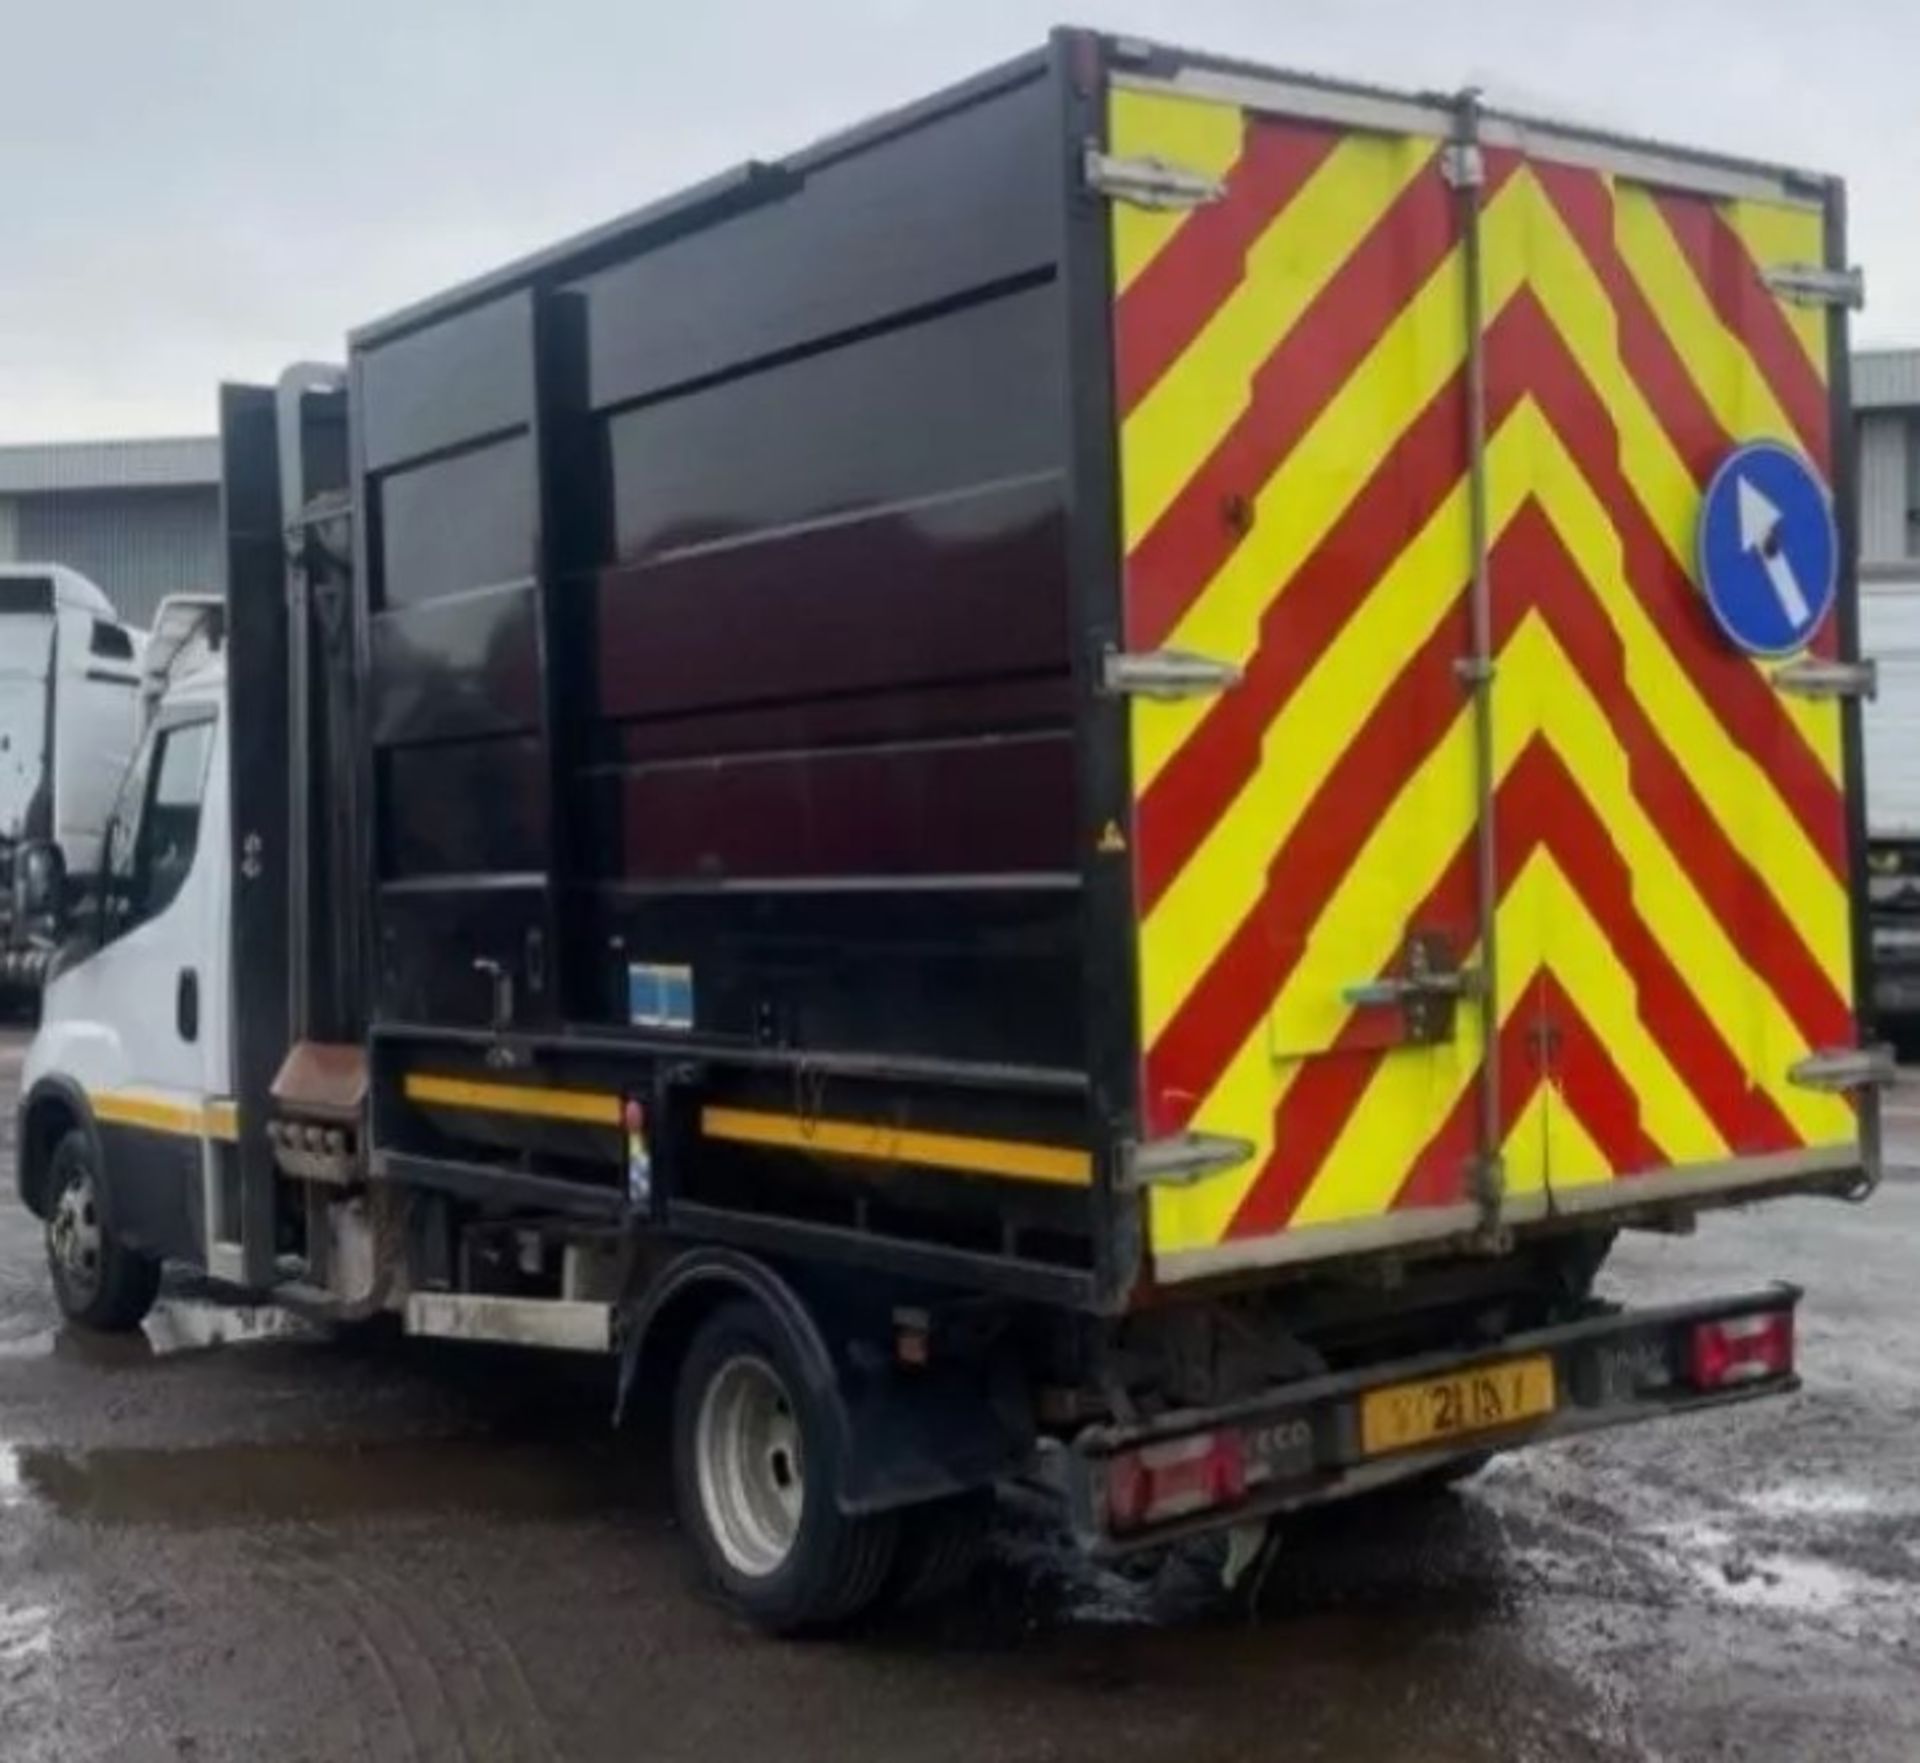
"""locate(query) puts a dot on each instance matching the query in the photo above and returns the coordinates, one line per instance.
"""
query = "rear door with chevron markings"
(1651, 823)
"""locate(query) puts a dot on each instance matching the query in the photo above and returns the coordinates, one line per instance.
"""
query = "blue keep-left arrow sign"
(1769, 552)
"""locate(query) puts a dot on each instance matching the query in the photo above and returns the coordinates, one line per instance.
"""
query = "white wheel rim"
(747, 1449)
(74, 1235)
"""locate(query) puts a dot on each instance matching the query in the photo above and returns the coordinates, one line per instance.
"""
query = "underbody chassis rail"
(1200, 1469)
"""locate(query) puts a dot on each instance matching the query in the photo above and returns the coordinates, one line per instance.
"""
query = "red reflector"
(1159, 1482)
(1740, 1349)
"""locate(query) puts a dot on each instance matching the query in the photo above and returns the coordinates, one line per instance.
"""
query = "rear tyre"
(755, 1465)
(98, 1281)
(941, 1546)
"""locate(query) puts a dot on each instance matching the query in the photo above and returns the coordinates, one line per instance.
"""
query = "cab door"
(151, 999)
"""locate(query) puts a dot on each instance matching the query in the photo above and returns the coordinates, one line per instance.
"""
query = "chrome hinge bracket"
(1165, 673)
(1829, 679)
(1808, 284)
(1463, 165)
(1180, 1161)
(1845, 1068)
(1149, 181)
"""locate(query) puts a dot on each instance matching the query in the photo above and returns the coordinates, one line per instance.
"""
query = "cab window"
(156, 826)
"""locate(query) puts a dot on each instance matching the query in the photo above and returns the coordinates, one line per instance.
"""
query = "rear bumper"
(1302, 1446)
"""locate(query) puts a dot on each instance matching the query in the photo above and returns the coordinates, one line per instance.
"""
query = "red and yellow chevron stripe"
(1673, 912)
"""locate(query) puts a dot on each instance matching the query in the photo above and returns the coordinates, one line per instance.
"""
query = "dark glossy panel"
(981, 973)
(464, 808)
(469, 376)
(430, 939)
(458, 523)
(909, 713)
(258, 692)
(936, 212)
(945, 404)
(469, 665)
(989, 806)
(965, 588)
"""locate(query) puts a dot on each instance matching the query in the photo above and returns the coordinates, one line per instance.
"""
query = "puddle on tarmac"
(11, 1491)
(1811, 1500)
(1774, 1580)
(26, 1632)
(311, 1479)
(176, 1325)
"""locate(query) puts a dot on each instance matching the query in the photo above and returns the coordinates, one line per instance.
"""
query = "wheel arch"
(659, 1326)
(54, 1107)
(906, 1436)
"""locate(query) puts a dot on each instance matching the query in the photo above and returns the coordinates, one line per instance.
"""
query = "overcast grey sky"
(199, 189)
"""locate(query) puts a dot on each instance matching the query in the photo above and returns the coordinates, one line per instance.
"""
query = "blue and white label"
(659, 996)
(1769, 552)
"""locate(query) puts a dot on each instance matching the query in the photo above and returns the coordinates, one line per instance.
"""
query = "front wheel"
(755, 1460)
(98, 1281)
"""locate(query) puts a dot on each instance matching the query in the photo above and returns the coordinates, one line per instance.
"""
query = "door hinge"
(1463, 165)
(1182, 1160)
(1829, 679)
(1166, 673)
(1149, 181)
(1845, 1068)
(1487, 1186)
(1808, 284)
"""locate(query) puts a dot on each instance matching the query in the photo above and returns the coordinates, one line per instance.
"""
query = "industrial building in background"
(140, 518)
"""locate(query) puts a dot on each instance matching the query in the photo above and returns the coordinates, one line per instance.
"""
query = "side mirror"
(40, 886)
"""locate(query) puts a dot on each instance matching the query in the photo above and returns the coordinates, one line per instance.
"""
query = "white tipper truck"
(69, 707)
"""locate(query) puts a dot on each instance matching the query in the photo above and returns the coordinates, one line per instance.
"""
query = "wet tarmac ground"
(231, 1538)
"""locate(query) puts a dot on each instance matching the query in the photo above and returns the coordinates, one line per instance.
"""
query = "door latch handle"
(1386, 991)
(1426, 991)
(502, 985)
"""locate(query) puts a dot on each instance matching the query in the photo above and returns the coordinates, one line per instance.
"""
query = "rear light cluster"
(1741, 1349)
(1155, 1483)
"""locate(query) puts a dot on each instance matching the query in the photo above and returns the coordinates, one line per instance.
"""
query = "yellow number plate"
(1407, 1414)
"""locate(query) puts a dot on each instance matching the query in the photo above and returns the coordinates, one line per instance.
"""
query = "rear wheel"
(98, 1281)
(755, 1458)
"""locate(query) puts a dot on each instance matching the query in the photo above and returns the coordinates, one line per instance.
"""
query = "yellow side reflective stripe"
(867, 1140)
(876, 1141)
(587, 1107)
(209, 1120)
